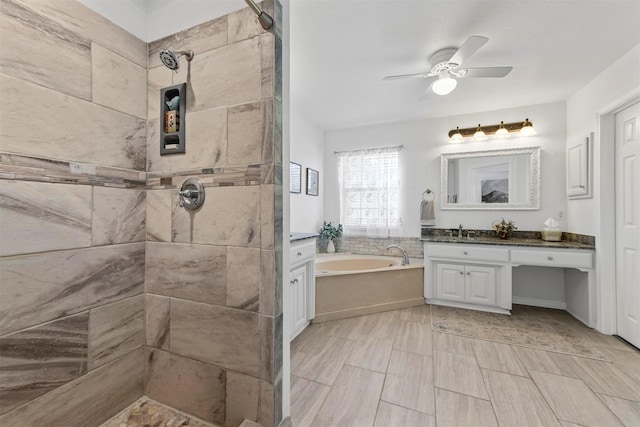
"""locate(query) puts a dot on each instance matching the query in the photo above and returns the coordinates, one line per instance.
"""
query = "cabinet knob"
(550, 258)
(294, 281)
(461, 272)
(299, 253)
(465, 252)
(468, 273)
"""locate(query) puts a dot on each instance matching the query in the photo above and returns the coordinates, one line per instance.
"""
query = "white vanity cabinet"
(302, 284)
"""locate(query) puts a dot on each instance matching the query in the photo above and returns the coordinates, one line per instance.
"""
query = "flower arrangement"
(330, 232)
(503, 227)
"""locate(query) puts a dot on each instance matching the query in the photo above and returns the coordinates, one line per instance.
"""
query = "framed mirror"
(506, 179)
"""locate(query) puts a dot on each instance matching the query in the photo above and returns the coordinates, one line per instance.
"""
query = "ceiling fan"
(446, 63)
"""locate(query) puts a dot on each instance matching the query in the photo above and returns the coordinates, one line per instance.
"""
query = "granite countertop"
(294, 237)
(514, 241)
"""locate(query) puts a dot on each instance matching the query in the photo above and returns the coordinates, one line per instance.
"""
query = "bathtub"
(354, 285)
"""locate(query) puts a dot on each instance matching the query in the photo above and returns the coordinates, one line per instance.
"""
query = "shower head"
(263, 17)
(171, 59)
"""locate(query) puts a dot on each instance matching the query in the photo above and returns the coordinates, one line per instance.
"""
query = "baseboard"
(360, 311)
(539, 302)
(477, 307)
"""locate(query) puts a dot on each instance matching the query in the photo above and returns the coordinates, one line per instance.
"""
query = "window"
(369, 190)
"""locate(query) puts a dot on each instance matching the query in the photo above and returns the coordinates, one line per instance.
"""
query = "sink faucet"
(405, 256)
(460, 231)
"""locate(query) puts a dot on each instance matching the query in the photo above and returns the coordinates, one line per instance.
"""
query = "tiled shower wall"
(72, 215)
(211, 313)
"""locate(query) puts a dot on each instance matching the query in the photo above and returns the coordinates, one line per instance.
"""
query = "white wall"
(425, 140)
(307, 149)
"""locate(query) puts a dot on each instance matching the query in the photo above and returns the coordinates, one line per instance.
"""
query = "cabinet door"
(298, 282)
(450, 282)
(578, 168)
(480, 285)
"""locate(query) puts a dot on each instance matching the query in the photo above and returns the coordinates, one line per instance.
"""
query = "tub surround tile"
(157, 321)
(50, 217)
(243, 278)
(118, 216)
(157, 78)
(626, 410)
(115, 329)
(37, 360)
(409, 382)
(106, 390)
(188, 385)
(129, 94)
(119, 146)
(352, 400)
(192, 272)
(456, 409)
(234, 220)
(246, 132)
(242, 397)
(43, 51)
(306, 399)
(158, 211)
(498, 357)
(42, 287)
(222, 336)
(455, 372)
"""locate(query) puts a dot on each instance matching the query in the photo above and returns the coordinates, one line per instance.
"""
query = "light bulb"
(457, 136)
(479, 135)
(445, 83)
(502, 132)
(527, 129)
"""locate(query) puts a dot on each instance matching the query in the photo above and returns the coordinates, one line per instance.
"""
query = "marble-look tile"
(44, 52)
(223, 336)
(414, 337)
(115, 329)
(572, 400)
(626, 361)
(270, 404)
(267, 216)
(626, 410)
(456, 409)
(188, 385)
(100, 394)
(157, 321)
(117, 139)
(229, 75)
(158, 222)
(76, 17)
(200, 38)
(537, 360)
(37, 360)
(267, 50)
(409, 382)
(322, 361)
(270, 347)
(499, 357)
(373, 355)
(353, 399)
(393, 415)
(452, 344)
(306, 399)
(459, 373)
(157, 78)
(50, 216)
(242, 24)
(206, 142)
(243, 278)
(242, 397)
(246, 131)
(233, 220)
(517, 401)
(193, 272)
(118, 215)
(269, 274)
(419, 314)
(129, 94)
(42, 287)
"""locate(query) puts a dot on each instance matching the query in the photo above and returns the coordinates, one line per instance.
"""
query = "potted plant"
(329, 232)
(504, 227)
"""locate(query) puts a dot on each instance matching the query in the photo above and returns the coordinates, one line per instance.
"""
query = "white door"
(450, 282)
(480, 286)
(627, 223)
(298, 300)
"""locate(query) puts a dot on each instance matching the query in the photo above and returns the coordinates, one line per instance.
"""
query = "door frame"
(607, 311)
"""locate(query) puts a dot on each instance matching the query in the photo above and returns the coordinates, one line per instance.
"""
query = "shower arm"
(265, 20)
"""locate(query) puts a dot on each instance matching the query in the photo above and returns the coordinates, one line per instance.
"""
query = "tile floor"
(395, 369)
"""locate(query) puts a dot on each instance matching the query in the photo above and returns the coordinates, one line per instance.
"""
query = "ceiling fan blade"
(408, 76)
(486, 72)
(468, 48)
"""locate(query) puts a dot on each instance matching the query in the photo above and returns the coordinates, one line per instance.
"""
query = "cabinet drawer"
(302, 252)
(557, 258)
(467, 252)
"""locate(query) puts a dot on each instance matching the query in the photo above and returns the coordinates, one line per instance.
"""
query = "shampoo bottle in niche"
(551, 232)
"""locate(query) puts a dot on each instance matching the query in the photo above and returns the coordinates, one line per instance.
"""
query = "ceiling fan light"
(445, 84)
(502, 132)
(479, 135)
(457, 136)
(527, 129)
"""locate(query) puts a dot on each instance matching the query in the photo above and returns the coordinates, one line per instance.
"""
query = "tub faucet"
(405, 256)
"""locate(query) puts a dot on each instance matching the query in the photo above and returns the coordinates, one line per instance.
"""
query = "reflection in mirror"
(491, 180)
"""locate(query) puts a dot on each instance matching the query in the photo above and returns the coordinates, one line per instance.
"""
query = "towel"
(428, 213)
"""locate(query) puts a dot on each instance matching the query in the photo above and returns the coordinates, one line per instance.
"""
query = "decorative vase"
(504, 235)
(330, 247)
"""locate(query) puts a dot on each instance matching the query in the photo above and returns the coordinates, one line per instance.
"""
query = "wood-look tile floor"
(393, 369)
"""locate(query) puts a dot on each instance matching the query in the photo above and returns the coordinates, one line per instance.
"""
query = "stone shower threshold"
(147, 412)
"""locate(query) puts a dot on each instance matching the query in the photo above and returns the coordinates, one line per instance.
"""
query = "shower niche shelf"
(172, 119)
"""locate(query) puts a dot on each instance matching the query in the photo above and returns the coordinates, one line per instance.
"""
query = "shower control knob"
(191, 194)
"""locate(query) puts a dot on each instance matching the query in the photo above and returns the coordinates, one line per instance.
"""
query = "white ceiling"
(341, 50)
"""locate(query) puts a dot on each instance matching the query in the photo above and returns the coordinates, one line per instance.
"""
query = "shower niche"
(173, 103)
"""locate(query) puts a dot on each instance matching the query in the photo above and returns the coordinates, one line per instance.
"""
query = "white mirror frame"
(534, 179)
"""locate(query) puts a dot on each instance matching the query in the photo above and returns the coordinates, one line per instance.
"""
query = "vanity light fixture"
(482, 133)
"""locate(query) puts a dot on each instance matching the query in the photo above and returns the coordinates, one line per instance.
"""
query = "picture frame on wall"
(295, 178)
(312, 181)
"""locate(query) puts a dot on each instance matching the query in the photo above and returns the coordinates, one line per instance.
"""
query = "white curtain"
(369, 191)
